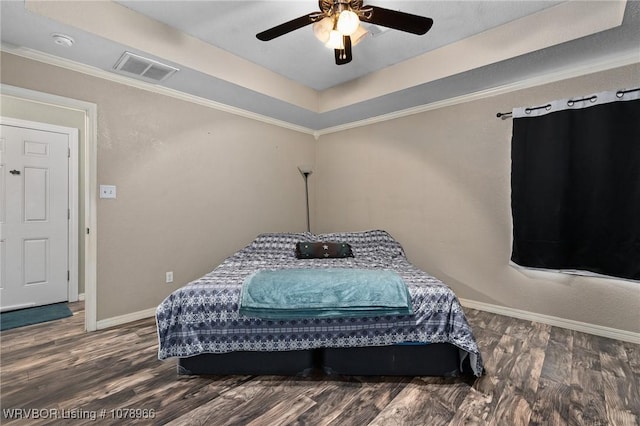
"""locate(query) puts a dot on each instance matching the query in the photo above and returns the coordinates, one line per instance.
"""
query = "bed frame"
(436, 359)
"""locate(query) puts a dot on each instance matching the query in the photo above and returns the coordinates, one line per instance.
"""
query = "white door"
(34, 212)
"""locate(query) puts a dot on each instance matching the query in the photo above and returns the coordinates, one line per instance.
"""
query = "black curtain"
(575, 182)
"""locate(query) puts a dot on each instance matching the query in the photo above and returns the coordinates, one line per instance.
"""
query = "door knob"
(15, 172)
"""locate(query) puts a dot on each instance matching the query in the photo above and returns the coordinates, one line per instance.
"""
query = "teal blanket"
(323, 293)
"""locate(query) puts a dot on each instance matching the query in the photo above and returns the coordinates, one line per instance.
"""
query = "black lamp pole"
(306, 171)
(306, 193)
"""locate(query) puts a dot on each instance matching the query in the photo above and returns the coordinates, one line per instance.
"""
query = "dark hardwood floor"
(536, 375)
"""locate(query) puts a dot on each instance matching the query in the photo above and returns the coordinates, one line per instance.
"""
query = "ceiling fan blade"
(344, 56)
(398, 20)
(287, 27)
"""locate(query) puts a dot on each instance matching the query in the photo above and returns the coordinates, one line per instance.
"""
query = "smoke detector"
(62, 39)
(144, 68)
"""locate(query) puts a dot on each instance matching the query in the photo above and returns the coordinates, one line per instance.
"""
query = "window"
(575, 185)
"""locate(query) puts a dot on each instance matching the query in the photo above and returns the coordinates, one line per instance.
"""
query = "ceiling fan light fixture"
(322, 29)
(348, 22)
(335, 40)
(337, 25)
(359, 35)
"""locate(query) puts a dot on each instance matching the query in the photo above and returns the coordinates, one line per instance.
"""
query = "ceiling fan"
(337, 24)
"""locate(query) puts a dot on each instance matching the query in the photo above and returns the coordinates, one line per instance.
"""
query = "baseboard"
(81, 297)
(598, 330)
(124, 319)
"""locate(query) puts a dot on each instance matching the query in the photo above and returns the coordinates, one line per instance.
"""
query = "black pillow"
(320, 250)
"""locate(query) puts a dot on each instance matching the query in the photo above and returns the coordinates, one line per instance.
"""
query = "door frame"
(90, 143)
(72, 188)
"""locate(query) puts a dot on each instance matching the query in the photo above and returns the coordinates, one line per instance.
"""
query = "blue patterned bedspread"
(203, 317)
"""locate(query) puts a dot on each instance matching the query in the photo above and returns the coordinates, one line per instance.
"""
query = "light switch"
(107, 191)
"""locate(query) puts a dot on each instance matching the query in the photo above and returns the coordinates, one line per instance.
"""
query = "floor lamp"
(306, 171)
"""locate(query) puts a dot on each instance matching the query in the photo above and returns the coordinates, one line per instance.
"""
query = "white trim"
(81, 297)
(105, 75)
(74, 217)
(90, 180)
(579, 272)
(627, 58)
(598, 330)
(125, 319)
(72, 190)
(91, 217)
(579, 71)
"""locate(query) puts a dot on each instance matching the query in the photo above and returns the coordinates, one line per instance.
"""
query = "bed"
(200, 324)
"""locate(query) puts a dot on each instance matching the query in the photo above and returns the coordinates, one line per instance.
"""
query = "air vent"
(144, 68)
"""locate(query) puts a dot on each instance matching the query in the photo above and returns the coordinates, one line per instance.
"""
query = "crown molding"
(105, 75)
(590, 67)
(629, 58)
(480, 50)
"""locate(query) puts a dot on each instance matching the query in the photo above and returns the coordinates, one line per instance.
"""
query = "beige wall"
(194, 184)
(34, 111)
(439, 181)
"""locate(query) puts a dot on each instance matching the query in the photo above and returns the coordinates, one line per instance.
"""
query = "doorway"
(86, 231)
(38, 211)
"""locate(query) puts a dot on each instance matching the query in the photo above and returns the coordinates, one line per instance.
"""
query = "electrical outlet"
(169, 277)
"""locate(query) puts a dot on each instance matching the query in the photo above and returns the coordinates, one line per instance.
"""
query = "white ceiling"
(473, 46)
(302, 58)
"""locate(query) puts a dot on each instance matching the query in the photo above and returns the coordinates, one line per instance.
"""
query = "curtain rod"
(570, 102)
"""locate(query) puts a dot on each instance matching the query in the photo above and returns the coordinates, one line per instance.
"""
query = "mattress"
(203, 316)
